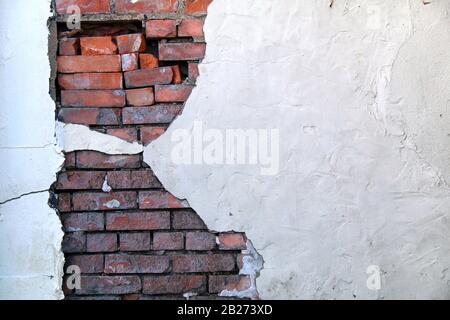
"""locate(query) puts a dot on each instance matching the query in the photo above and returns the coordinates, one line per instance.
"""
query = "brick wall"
(127, 73)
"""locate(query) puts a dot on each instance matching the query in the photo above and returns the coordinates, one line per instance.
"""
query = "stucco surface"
(360, 95)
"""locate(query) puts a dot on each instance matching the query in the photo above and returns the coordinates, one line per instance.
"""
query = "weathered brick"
(82, 64)
(135, 241)
(130, 43)
(87, 263)
(132, 297)
(187, 219)
(168, 241)
(127, 134)
(148, 61)
(93, 98)
(86, 6)
(89, 221)
(156, 29)
(109, 285)
(124, 263)
(79, 180)
(133, 180)
(181, 51)
(146, 6)
(158, 199)
(70, 160)
(149, 134)
(69, 47)
(175, 284)
(193, 70)
(232, 241)
(148, 77)
(64, 202)
(203, 263)
(97, 160)
(140, 97)
(191, 28)
(89, 116)
(74, 242)
(197, 6)
(177, 78)
(94, 46)
(173, 93)
(91, 81)
(101, 242)
(219, 283)
(93, 201)
(130, 61)
(157, 114)
(138, 221)
(200, 241)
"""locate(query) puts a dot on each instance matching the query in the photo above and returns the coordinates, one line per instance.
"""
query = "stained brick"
(200, 241)
(74, 242)
(193, 70)
(79, 180)
(89, 221)
(149, 134)
(174, 284)
(146, 6)
(97, 160)
(86, 6)
(130, 61)
(197, 6)
(203, 263)
(91, 81)
(187, 219)
(130, 43)
(191, 28)
(157, 114)
(173, 93)
(140, 97)
(159, 200)
(101, 242)
(64, 202)
(138, 221)
(93, 98)
(133, 180)
(89, 116)
(87, 263)
(93, 46)
(79, 64)
(232, 241)
(148, 61)
(124, 263)
(127, 134)
(156, 29)
(181, 51)
(219, 283)
(148, 77)
(70, 160)
(135, 241)
(69, 47)
(168, 241)
(109, 285)
(93, 201)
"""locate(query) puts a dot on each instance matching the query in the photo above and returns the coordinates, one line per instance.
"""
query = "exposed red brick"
(191, 28)
(175, 284)
(94, 46)
(93, 98)
(91, 81)
(138, 221)
(220, 283)
(89, 221)
(177, 79)
(156, 29)
(109, 285)
(148, 77)
(87, 263)
(203, 263)
(64, 203)
(146, 6)
(70, 160)
(134, 241)
(168, 241)
(69, 47)
(78, 64)
(127, 134)
(193, 70)
(173, 93)
(86, 6)
(74, 242)
(93, 201)
(149, 134)
(130, 61)
(157, 114)
(132, 297)
(140, 97)
(181, 51)
(88, 116)
(130, 43)
(124, 263)
(79, 180)
(148, 61)
(97, 160)
(197, 6)
(101, 242)
(232, 241)
(200, 241)
(187, 219)
(133, 180)
(158, 199)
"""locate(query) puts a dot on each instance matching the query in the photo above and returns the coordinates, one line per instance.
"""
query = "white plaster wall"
(361, 95)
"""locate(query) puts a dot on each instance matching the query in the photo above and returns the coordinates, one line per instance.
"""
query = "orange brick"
(148, 61)
(93, 46)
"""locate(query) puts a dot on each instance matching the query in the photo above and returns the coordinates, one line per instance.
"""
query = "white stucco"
(360, 95)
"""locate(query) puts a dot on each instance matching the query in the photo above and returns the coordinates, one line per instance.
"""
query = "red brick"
(138, 221)
(156, 29)
(140, 97)
(90, 221)
(93, 201)
(86, 6)
(101, 242)
(203, 263)
(173, 93)
(88, 116)
(109, 285)
(133, 180)
(74, 242)
(175, 284)
(146, 6)
(197, 6)
(159, 200)
(78, 64)
(91, 81)
(127, 134)
(69, 47)
(64, 203)
(220, 283)
(79, 180)
(149, 134)
(135, 241)
(130, 61)
(132, 297)
(177, 79)
(193, 70)
(148, 77)
(93, 98)
(124, 263)
(148, 61)
(168, 241)
(181, 51)
(232, 241)
(130, 43)
(200, 241)
(94, 46)
(70, 160)
(191, 28)
(187, 219)
(157, 114)
(87, 263)
(97, 160)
